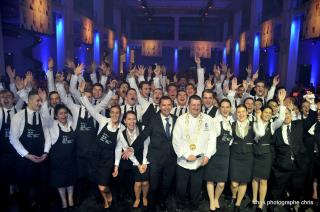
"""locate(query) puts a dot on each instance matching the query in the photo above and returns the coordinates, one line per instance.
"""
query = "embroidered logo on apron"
(31, 133)
(66, 140)
(105, 139)
(83, 127)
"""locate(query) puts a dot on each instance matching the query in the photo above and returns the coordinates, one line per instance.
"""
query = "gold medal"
(193, 146)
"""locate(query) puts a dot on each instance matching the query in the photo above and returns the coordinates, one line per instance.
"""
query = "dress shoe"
(251, 205)
(232, 202)
(258, 209)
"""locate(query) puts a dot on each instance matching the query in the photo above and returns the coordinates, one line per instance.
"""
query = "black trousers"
(189, 184)
(161, 180)
(292, 181)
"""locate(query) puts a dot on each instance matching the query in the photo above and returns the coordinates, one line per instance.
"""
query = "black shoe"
(236, 208)
(258, 209)
(163, 206)
(215, 210)
(270, 208)
(251, 205)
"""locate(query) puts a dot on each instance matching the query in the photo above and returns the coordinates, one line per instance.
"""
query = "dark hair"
(165, 98)
(141, 84)
(97, 85)
(190, 84)
(51, 93)
(272, 100)
(7, 91)
(194, 97)
(261, 81)
(241, 105)
(208, 91)
(129, 112)
(116, 106)
(266, 107)
(124, 83)
(224, 100)
(259, 100)
(58, 107)
(183, 91)
(248, 98)
(32, 93)
(131, 89)
(172, 84)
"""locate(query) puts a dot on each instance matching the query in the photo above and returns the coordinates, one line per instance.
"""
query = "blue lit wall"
(256, 53)
(309, 53)
(96, 48)
(224, 55)
(175, 64)
(60, 43)
(236, 59)
(116, 58)
(45, 50)
(128, 57)
(293, 53)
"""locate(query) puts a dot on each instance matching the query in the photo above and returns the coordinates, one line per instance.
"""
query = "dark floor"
(91, 204)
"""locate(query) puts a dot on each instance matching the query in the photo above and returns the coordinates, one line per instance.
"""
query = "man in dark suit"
(209, 101)
(161, 155)
(291, 159)
(153, 108)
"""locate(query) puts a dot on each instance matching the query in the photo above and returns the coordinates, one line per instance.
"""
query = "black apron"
(127, 164)
(29, 173)
(63, 160)
(8, 155)
(85, 135)
(263, 155)
(241, 156)
(104, 156)
(218, 166)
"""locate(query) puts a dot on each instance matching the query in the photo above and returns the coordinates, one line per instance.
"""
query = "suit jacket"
(283, 151)
(148, 115)
(160, 148)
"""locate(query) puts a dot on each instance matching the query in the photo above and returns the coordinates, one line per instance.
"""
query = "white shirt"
(136, 108)
(176, 110)
(17, 127)
(204, 139)
(285, 134)
(313, 128)
(54, 130)
(164, 122)
(278, 122)
(226, 124)
(74, 108)
(123, 145)
(5, 114)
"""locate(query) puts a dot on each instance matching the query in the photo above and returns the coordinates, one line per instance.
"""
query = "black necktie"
(86, 114)
(181, 109)
(167, 128)
(95, 102)
(155, 108)
(34, 119)
(8, 117)
(206, 110)
(131, 108)
(288, 134)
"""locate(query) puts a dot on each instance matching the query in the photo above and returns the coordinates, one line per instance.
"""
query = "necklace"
(194, 139)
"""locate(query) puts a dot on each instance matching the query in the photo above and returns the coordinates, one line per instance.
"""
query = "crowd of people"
(144, 136)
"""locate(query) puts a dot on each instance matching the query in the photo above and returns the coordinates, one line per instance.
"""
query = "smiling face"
(190, 90)
(115, 113)
(266, 114)
(195, 107)
(275, 107)
(305, 108)
(165, 107)
(157, 94)
(97, 92)
(54, 99)
(182, 98)
(62, 116)
(172, 92)
(242, 114)
(6, 100)
(34, 102)
(145, 90)
(131, 97)
(207, 99)
(225, 109)
(130, 121)
(249, 105)
(260, 89)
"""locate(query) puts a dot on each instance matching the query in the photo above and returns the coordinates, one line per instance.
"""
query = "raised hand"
(255, 76)
(70, 64)
(276, 80)
(28, 79)
(93, 67)
(245, 84)
(209, 84)
(197, 60)
(163, 70)
(43, 95)
(224, 67)
(59, 77)
(229, 74)
(113, 84)
(50, 63)
(157, 71)
(78, 69)
(11, 73)
(249, 70)
(150, 71)
(234, 84)
(141, 70)
(282, 95)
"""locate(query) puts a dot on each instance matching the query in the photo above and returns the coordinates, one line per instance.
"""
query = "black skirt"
(241, 167)
(63, 173)
(262, 164)
(138, 177)
(102, 167)
(217, 168)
